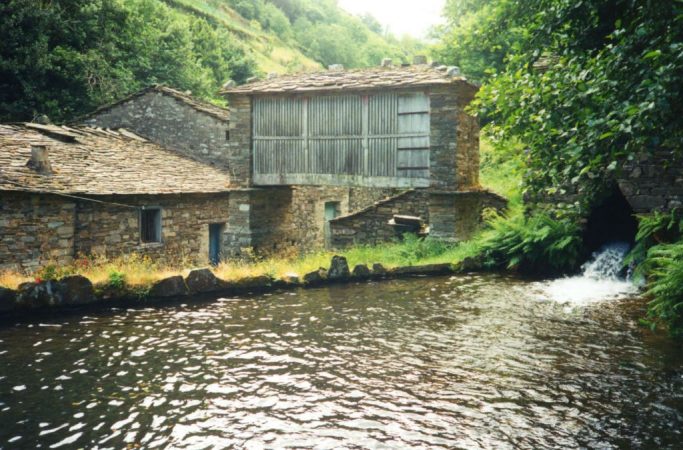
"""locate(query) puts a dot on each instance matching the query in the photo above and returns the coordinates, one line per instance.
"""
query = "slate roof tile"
(96, 161)
(357, 79)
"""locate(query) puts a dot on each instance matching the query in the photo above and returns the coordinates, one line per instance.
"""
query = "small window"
(150, 225)
(227, 135)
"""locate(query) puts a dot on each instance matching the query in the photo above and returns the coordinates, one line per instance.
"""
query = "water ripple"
(467, 362)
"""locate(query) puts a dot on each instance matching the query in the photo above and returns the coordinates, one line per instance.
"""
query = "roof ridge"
(377, 204)
(379, 77)
(218, 112)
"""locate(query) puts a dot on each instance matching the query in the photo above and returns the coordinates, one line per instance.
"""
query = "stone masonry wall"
(174, 124)
(110, 230)
(455, 216)
(653, 182)
(451, 216)
(650, 182)
(239, 145)
(370, 226)
(454, 139)
(35, 229)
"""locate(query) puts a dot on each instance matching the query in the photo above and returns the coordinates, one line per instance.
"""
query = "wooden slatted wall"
(374, 140)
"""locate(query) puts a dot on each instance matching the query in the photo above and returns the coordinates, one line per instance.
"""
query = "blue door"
(215, 233)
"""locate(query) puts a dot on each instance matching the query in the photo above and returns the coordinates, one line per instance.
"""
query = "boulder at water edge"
(339, 269)
(361, 271)
(315, 277)
(203, 280)
(169, 287)
(7, 299)
(378, 270)
(76, 290)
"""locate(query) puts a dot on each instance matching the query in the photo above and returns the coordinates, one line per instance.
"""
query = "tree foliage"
(585, 85)
(65, 57)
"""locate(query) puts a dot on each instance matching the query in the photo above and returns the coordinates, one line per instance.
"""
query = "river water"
(454, 362)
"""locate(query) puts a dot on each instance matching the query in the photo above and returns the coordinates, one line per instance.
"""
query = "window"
(227, 135)
(150, 224)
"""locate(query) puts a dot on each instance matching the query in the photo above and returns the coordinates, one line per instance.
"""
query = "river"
(479, 361)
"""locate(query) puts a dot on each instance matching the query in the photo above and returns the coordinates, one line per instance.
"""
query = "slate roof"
(357, 79)
(96, 161)
(207, 108)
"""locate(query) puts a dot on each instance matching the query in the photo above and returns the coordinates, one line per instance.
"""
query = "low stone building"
(69, 191)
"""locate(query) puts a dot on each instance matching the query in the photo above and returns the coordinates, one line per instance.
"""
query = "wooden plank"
(375, 140)
(339, 180)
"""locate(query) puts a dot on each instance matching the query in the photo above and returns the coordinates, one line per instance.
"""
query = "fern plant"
(535, 244)
(665, 270)
(654, 229)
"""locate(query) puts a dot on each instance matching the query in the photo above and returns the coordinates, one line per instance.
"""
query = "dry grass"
(12, 280)
(143, 271)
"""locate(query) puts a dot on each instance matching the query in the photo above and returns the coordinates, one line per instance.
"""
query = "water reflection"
(474, 362)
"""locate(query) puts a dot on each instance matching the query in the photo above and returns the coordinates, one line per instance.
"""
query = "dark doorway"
(332, 210)
(215, 235)
(610, 220)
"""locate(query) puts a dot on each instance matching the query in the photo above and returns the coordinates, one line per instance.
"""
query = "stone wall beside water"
(36, 229)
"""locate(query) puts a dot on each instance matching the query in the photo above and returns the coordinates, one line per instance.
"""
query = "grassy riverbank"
(142, 271)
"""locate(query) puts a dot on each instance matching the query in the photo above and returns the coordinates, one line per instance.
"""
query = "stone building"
(379, 131)
(67, 191)
(297, 163)
(265, 220)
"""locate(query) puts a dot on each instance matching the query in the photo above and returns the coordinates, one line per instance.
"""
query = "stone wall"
(452, 216)
(650, 182)
(37, 229)
(175, 124)
(653, 182)
(454, 139)
(110, 230)
(455, 216)
(239, 145)
(370, 225)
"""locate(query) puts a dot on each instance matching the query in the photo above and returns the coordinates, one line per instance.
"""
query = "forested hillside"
(63, 58)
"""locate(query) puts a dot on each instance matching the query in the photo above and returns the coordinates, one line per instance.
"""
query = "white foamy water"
(600, 280)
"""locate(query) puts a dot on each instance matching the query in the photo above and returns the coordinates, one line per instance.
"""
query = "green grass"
(501, 170)
(270, 52)
(143, 271)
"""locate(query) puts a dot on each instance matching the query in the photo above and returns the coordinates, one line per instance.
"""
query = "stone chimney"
(336, 68)
(419, 60)
(39, 160)
(386, 62)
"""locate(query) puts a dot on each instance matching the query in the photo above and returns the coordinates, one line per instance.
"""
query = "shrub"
(116, 279)
(535, 244)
